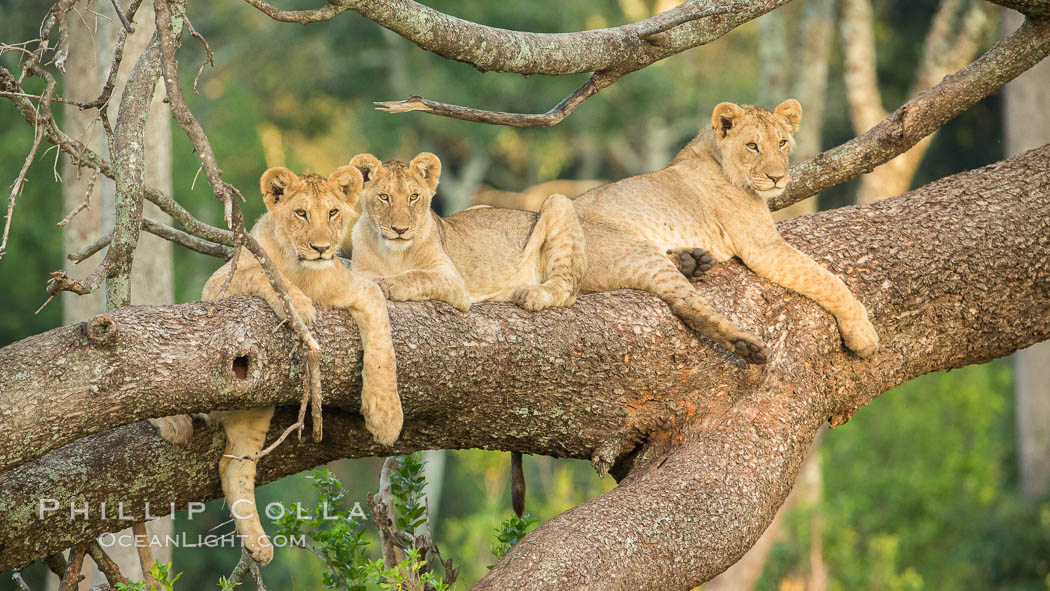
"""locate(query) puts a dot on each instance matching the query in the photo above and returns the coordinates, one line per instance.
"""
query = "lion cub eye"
(752, 146)
(414, 197)
(384, 198)
(783, 143)
(333, 212)
(301, 213)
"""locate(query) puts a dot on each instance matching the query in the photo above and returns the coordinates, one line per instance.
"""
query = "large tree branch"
(491, 49)
(920, 116)
(954, 273)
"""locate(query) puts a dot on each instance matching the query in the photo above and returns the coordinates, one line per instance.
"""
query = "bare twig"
(257, 575)
(123, 19)
(209, 57)
(162, 231)
(71, 579)
(87, 200)
(17, 576)
(16, 187)
(594, 84)
(242, 568)
(106, 565)
(145, 555)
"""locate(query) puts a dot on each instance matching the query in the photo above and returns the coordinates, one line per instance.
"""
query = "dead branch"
(16, 187)
(145, 555)
(594, 84)
(84, 204)
(71, 579)
(920, 116)
(106, 565)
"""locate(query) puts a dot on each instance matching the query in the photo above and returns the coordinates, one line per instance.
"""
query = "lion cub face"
(755, 144)
(311, 213)
(397, 196)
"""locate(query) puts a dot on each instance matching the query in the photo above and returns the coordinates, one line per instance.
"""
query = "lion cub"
(306, 219)
(644, 232)
(535, 260)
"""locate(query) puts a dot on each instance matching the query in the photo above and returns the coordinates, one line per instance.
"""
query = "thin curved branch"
(615, 371)
(162, 231)
(920, 116)
(594, 84)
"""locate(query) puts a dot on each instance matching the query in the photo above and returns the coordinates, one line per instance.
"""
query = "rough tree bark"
(954, 273)
(1026, 124)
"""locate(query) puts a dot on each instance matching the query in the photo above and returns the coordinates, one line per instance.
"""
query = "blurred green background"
(919, 489)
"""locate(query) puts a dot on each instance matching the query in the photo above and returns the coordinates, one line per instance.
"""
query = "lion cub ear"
(791, 112)
(428, 167)
(368, 164)
(273, 184)
(724, 117)
(349, 180)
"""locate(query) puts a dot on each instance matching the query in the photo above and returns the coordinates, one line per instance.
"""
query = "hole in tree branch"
(240, 367)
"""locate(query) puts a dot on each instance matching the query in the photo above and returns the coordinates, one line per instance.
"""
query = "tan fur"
(531, 198)
(306, 219)
(713, 195)
(481, 254)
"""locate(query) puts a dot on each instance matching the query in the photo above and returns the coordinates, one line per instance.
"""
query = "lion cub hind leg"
(245, 436)
(558, 241)
(639, 265)
(691, 262)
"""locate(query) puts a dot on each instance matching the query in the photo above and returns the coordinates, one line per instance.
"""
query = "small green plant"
(160, 572)
(406, 484)
(509, 532)
(336, 535)
(225, 585)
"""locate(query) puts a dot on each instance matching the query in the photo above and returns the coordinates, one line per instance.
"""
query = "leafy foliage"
(510, 531)
(406, 484)
(336, 535)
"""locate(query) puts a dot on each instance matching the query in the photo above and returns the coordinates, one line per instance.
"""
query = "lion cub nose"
(321, 248)
(775, 179)
(399, 231)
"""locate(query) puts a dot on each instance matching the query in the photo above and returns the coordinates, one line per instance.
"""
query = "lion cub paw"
(304, 306)
(534, 297)
(260, 549)
(750, 349)
(176, 429)
(861, 338)
(692, 262)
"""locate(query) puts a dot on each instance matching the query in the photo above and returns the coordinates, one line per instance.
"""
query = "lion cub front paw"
(395, 289)
(534, 297)
(692, 262)
(259, 548)
(304, 306)
(861, 338)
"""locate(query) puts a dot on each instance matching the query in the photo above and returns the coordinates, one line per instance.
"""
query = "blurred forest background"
(918, 491)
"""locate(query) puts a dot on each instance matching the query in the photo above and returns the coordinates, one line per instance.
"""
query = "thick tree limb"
(955, 273)
(489, 49)
(920, 116)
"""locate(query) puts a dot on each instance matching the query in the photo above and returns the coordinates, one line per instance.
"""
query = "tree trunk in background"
(90, 57)
(1026, 125)
(955, 36)
(809, 85)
